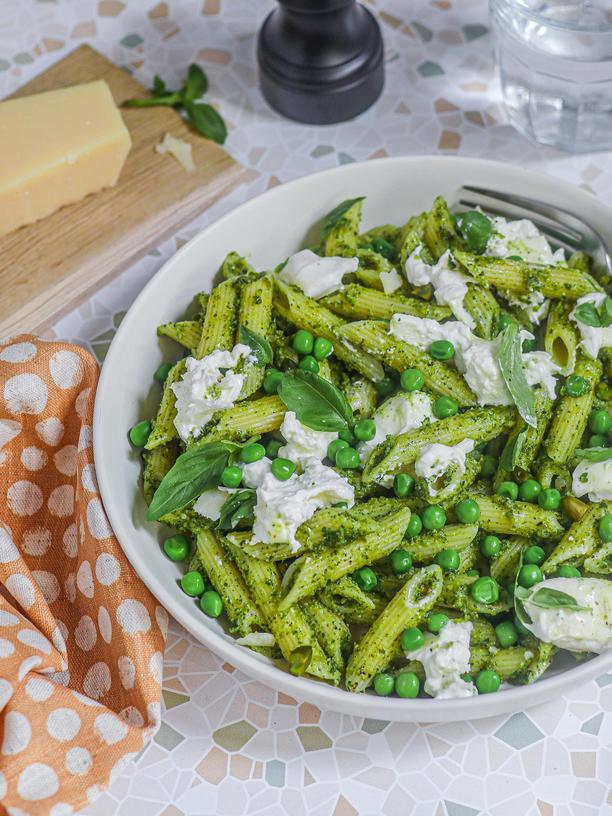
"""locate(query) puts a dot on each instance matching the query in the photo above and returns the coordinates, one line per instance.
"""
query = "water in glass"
(555, 63)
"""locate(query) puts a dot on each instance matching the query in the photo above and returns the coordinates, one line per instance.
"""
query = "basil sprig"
(337, 214)
(588, 314)
(196, 470)
(317, 403)
(202, 116)
(258, 344)
(238, 507)
(511, 366)
(594, 454)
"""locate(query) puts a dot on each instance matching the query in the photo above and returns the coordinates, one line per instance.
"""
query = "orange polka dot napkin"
(81, 639)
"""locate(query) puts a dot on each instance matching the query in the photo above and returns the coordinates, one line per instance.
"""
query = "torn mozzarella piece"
(450, 286)
(316, 276)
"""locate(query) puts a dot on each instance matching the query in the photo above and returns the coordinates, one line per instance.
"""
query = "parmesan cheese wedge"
(56, 148)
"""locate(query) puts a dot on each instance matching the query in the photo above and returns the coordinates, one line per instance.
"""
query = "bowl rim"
(325, 696)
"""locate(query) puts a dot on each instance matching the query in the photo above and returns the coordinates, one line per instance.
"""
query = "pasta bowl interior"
(265, 231)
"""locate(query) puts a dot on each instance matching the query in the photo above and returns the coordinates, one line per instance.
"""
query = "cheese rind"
(56, 148)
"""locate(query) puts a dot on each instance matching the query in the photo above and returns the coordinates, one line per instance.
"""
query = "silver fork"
(562, 227)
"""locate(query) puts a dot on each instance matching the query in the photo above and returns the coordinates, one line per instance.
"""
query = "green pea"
(442, 350)
(576, 386)
(366, 579)
(161, 375)
(567, 571)
(348, 459)
(211, 604)
(597, 441)
(433, 517)
(403, 484)
(509, 490)
(485, 590)
(383, 248)
(448, 559)
(529, 575)
(342, 505)
(407, 685)
(384, 387)
(529, 490)
(322, 348)
(335, 446)
(282, 469)
(468, 511)
(365, 429)
(505, 320)
(490, 546)
(192, 583)
(444, 407)
(529, 345)
(401, 561)
(273, 447)
(303, 342)
(513, 258)
(473, 573)
(600, 422)
(550, 499)
(412, 380)
(272, 379)
(252, 453)
(231, 476)
(506, 634)
(308, 363)
(176, 547)
(534, 555)
(140, 433)
(488, 466)
(384, 684)
(299, 660)
(348, 436)
(415, 525)
(436, 622)
(605, 527)
(467, 678)
(487, 681)
(476, 228)
(412, 639)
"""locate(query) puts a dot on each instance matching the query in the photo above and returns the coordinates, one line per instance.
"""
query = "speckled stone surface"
(229, 745)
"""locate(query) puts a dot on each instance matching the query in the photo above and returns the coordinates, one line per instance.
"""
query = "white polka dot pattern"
(80, 660)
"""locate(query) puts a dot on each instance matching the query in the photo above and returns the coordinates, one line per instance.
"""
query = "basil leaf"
(196, 83)
(554, 599)
(605, 313)
(594, 454)
(511, 366)
(195, 471)
(587, 313)
(259, 345)
(206, 121)
(336, 215)
(512, 450)
(237, 508)
(317, 403)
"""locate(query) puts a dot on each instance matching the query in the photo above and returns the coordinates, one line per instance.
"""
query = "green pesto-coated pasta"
(502, 515)
(373, 337)
(561, 337)
(255, 313)
(356, 302)
(185, 332)
(503, 568)
(378, 646)
(579, 542)
(234, 265)
(342, 238)
(424, 547)
(219, 324)
(483, 307)
(163, 429)
(572, 414)
(245, 420)
(331, 631)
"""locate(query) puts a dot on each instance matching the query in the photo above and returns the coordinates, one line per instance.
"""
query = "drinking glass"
(555, 65)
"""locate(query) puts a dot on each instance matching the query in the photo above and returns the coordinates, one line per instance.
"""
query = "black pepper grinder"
(320, 61)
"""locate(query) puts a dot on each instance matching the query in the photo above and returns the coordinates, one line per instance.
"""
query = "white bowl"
(266, 230)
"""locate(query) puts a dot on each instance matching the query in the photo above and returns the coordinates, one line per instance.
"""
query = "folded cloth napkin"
(81, 639)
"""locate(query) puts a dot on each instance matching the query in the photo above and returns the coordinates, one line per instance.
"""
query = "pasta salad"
(388, 459)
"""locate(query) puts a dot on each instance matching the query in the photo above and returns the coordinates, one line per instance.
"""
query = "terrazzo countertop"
(229, 745)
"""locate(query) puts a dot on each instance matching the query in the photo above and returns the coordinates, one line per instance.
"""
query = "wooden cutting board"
(48, 267)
